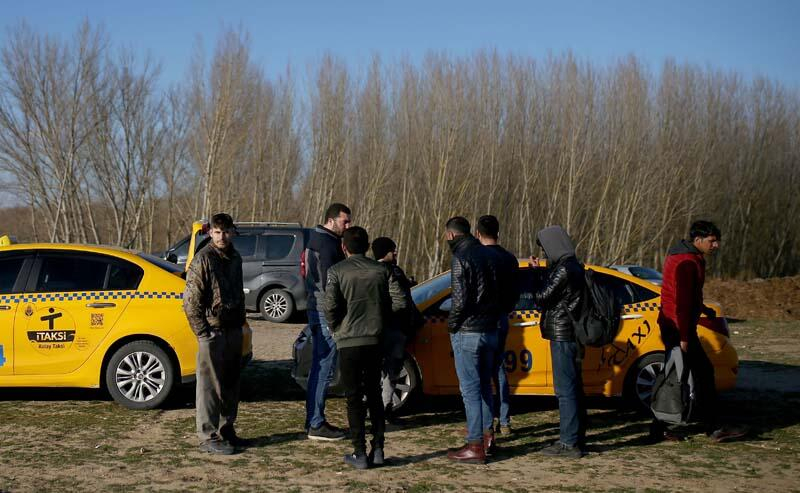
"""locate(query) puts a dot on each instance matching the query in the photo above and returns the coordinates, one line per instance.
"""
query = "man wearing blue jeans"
(507, 266)
(473, 335)
(560, 300)
(323, 251)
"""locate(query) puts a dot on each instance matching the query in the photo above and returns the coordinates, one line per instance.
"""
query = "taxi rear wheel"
(140, 375)
(640, 380)
(406, 384)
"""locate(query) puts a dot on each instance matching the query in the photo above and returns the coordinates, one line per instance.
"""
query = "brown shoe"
(727, 434)
(471, 453)
(489, 445)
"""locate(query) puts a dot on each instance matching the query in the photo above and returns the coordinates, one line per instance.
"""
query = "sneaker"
(359, 461)
(375, 457)
(506, 429)
(326, 432)
(217, 447)
(559, 449)
(232, 438)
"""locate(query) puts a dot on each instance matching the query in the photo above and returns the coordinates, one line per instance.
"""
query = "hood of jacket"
(556, 243)
(681, 247)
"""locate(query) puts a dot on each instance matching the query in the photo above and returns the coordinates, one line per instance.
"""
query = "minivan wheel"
(276, 305)
(140, 375)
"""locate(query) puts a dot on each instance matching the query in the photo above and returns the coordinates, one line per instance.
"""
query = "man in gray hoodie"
(560, 300)
(357, 306)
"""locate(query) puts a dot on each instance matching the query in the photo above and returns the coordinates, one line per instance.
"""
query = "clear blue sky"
(752, 38)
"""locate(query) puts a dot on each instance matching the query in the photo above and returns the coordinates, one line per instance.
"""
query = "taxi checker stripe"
(107, 295)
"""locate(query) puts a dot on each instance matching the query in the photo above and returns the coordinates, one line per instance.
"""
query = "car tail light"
(303, 264)
(718, 325)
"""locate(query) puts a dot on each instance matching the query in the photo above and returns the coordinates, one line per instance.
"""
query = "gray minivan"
(271, 265)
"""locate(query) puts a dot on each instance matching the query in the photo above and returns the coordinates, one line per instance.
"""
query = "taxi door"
(527, 355)
(73, 300)
(14, 269)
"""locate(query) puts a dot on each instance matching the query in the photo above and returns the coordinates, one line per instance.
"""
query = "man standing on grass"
(357, 306)
(472, 324)
(323, 251)
(214, 305)
(488, 232)
(681, 307)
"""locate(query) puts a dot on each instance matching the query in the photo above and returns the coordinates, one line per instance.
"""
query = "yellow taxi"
(95, 316)
(627, 367)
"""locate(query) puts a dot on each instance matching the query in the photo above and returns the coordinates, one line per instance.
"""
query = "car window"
(124, 276)
(278, 246)
(245, 245)
(530, 281)
(85, 273)
(645, 273)
(625, 291)
(9, 270)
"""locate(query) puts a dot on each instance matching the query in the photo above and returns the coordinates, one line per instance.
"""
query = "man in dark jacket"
(560, 298)
(472, 323)
(402, 324)
(488, 232)
(323, 251)
(357, 305)
(214, 305)
(681, 307)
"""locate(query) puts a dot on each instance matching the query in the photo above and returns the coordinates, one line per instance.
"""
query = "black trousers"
(360, 371)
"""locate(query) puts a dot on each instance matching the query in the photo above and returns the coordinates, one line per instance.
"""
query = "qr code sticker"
(97, 319)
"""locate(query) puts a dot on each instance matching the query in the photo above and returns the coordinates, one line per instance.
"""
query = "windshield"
(160, 262)
(423, 292)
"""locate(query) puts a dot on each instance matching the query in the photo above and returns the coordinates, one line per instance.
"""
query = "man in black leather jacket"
(473, 334)
(560, 299)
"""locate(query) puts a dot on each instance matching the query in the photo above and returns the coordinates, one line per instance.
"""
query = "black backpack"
(598, 322)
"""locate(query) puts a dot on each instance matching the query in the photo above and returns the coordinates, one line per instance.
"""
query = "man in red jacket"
(681, 307)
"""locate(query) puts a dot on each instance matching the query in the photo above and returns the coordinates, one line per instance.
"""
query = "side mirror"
(171, 257)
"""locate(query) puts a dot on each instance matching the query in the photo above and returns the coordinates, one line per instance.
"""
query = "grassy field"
(78, 440)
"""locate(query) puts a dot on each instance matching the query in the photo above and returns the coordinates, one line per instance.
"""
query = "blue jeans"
(568, 384)
(323, 364)
(474, 355)
(500, 407)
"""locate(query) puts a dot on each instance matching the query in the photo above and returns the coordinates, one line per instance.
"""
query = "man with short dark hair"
(214, 305)
(681, 306)
(357, 305)
(475, 309)
(488, 231)
(322, 252)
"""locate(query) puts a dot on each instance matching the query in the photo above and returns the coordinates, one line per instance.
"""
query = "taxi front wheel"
(140, 375)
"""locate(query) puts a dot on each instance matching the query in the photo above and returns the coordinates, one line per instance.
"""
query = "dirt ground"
(765, 299)
(56, 440)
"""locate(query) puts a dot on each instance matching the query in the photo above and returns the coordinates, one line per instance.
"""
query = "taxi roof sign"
(6, 240)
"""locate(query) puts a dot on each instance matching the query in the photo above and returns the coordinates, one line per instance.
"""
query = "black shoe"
(234, 439)
(375, 457)
(559, 449)
(217, 447)
(359, 461)
(326, 432)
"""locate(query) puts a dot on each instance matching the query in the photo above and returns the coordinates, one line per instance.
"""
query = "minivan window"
(278, 246)
(9, 270)
(245, 245)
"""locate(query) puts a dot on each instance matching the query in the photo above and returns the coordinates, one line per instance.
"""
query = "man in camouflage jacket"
(214, 305)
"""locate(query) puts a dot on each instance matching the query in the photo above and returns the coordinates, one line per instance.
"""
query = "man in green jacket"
(357, 306)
